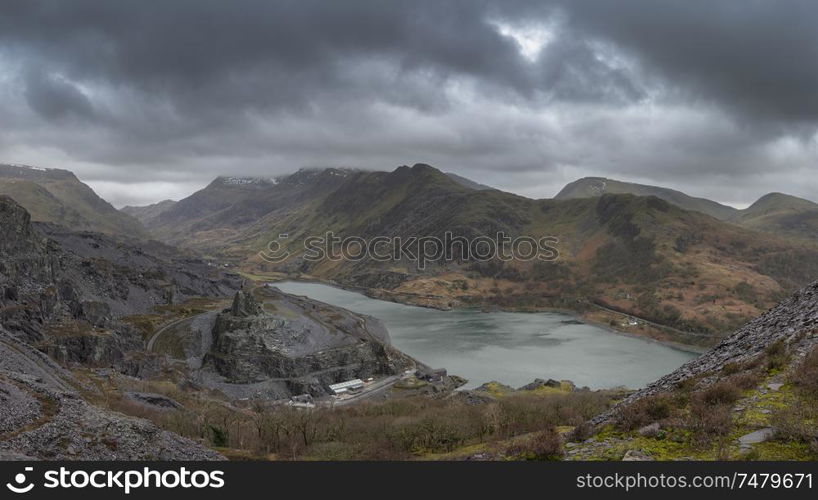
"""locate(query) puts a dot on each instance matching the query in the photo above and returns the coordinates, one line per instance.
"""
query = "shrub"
(687, 385)
(544, 445)
(776, 355)
(725, 392)
(580, 433)
(430, 435)
(731, 368)
(805, 376)
(396, 429)
(218, 436)
(708, 422)
(645, 411)
(746, 292)
(746, 380)
(793, 423)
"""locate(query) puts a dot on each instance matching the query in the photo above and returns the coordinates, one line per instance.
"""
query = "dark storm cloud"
(254, 52)
(754, 56)
(55, 98)
(177, 92)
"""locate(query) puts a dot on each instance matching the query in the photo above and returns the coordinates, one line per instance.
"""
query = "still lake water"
(512, 348)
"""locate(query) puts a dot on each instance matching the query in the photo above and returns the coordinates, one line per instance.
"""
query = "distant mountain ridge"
(58, 196)
(148, 213)
(230, 186)
(466, 182)
(782, 214)
(596, 186)
(776, 213)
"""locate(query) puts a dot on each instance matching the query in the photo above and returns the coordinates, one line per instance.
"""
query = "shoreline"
(568, 312)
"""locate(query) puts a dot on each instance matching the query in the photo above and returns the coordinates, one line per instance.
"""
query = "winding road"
(157, 333)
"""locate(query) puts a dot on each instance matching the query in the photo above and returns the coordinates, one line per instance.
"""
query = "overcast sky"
(152, 100)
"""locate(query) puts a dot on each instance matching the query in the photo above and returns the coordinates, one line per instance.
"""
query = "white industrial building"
(353, 385)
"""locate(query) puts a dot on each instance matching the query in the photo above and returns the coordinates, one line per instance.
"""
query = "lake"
(509, 347)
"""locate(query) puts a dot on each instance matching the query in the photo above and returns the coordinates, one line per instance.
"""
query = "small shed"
(353, 385)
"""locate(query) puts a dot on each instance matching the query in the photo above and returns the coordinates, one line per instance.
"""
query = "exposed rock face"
(303, 347)
(155, 401)
(539, 383)
(66, 290)
(495, 387)
(43, 417)
(94, 348)
(132, 276)
(245, 305)
(794, 321)
(66, 299)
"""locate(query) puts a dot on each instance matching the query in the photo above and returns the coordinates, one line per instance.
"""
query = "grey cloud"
(755, 57)
(177, 92)
(55, 98)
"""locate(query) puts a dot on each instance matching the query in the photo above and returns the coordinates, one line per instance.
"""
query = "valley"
(621, 251)
(233, 356)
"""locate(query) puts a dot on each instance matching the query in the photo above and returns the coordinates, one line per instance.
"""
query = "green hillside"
(785, 215)
(597, 186)
(57, 196)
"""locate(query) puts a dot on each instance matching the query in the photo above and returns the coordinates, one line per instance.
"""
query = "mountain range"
(651, 252)
(673, 260)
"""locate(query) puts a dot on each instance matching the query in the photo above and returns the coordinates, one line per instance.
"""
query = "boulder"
(155, 401)
(637, 456)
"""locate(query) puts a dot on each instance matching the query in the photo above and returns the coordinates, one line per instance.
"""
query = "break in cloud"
(149, 100)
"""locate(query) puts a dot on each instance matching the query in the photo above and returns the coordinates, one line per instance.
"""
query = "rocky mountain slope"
(231, 205)
(753, 396)
(43, 416)
(53, 195)
(73, 348)
(65, 299)
(51, 273)
(65, 292)
(794, 322)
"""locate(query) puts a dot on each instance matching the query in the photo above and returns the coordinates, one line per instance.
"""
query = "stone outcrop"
(244, 305)
(305, 346)
(565, 385)
(153, 401)
(66, 291)
(42, 416)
